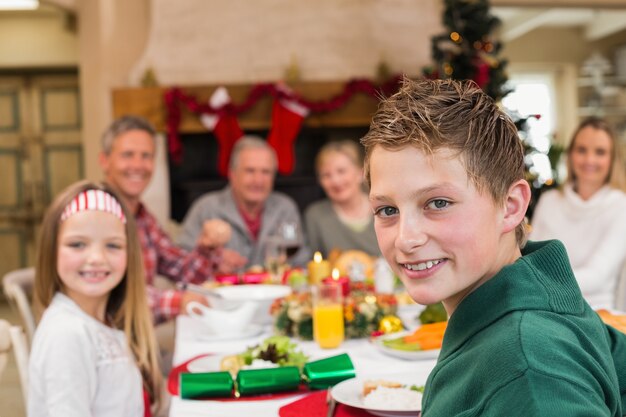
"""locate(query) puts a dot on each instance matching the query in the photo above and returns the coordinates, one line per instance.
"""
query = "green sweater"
(525, 343)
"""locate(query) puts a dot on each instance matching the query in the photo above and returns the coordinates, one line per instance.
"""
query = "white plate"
(250, 331)
(403, 354)
(350, 392)
(209, 363)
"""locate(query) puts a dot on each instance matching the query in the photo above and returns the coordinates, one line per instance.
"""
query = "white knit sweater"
(594, 234)
(81, 368)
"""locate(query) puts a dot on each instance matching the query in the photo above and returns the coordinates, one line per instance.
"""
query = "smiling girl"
(589, 214)
(94, 352)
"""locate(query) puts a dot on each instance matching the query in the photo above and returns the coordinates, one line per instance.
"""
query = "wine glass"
(289, 234)
(281, 245)
(275, 259)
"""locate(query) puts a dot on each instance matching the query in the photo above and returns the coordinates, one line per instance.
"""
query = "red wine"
(291, 250)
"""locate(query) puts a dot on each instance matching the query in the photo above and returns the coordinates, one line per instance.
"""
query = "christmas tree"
(468, 50)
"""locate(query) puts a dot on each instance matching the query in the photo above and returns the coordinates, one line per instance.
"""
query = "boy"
(446, 171)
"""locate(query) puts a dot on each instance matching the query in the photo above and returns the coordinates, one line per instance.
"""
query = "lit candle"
(318, 269)
(343, 280)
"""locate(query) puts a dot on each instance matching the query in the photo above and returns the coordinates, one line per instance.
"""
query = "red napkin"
(314, 405)
(248, 278)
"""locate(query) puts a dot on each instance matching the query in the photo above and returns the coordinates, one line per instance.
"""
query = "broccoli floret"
(433, 313)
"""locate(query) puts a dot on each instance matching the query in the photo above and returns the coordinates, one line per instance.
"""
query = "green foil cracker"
(206, 385)
(269, 380)
(327, 372)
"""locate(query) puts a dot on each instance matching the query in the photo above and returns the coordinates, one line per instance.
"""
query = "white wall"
(560, 52)
(199, 41)
(36, 40)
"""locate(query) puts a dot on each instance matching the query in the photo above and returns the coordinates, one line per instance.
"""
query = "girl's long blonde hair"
(127, 306)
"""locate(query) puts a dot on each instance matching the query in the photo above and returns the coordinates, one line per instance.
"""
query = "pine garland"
(363, 311)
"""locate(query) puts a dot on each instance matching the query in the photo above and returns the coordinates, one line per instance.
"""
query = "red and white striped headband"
(94, 200)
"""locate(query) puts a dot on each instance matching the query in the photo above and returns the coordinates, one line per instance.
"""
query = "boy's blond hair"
(617, 176)
(455, 115)
(127, 306)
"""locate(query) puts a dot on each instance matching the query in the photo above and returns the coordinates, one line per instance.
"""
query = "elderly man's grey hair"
(250, 142)
(122, 125)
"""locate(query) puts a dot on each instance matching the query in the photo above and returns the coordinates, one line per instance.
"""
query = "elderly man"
(248, 203)
(127, 159)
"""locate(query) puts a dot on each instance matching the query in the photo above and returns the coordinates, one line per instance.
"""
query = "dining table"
(193, 340)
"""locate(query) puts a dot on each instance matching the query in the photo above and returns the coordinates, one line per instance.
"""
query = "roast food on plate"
(273, 352)
(387, 395)
(425, 337)
(615, 320)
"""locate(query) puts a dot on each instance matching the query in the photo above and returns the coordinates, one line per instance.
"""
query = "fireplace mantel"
(198, 175)
(148, 102)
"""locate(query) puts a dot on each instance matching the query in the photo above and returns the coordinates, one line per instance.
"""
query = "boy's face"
(439, 234)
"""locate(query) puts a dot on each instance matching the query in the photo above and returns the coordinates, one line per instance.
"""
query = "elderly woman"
(344, 220)
(589, 214)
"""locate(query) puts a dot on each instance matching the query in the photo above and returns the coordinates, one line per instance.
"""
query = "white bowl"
(224, 322)
(263, 295)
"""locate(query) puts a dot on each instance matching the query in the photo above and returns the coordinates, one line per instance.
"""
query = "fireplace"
(197, 174)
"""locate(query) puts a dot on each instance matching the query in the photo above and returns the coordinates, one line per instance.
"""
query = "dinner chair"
(18, 287)
(13, 338)
(5, 344)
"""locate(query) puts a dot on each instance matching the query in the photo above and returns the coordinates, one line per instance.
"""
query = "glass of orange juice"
(328, 329)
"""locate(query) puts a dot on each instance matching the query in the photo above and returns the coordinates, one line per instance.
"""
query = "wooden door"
(40, 154)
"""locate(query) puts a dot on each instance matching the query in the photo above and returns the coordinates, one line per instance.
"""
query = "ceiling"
(596, 18)
(596, 23)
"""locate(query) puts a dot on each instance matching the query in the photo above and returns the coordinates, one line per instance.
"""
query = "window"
(533, 94)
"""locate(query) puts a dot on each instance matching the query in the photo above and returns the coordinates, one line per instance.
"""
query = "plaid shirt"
(162, 257)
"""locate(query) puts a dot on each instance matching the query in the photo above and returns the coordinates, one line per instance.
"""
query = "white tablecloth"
(367, 360)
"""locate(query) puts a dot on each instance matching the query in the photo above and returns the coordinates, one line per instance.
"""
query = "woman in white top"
(94, 353)
(589, 214)
(344, 220)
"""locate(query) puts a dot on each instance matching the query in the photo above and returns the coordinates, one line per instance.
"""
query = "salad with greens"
(280, 350)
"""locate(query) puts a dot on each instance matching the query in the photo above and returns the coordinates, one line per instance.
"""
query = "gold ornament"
(456, 37)
(390, 324)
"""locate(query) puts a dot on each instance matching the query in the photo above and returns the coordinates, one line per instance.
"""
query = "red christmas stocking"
(287, 117)
(224, 126)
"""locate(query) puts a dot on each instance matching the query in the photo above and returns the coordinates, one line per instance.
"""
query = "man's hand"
(188, 297)
(231, 261)
(215, 233)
